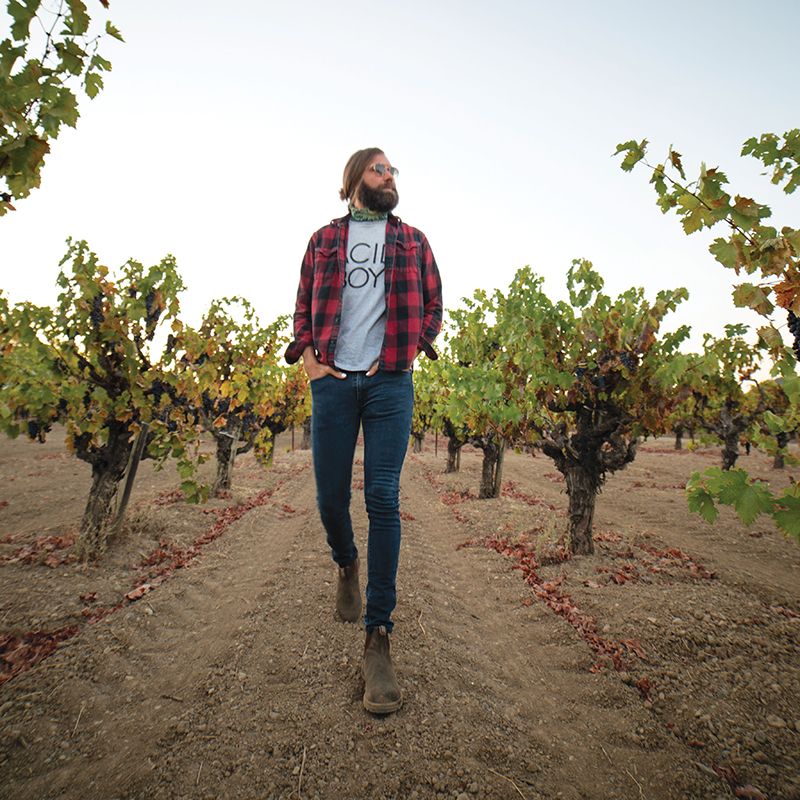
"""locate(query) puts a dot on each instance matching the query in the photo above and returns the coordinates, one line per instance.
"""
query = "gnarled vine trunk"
(228, 447)
(678, 437)
(419, 439)
(729, 427)
(108, 468)
(730, 450)
(453, 455)
(782, 440)
(600, 443)
(582, 488)
(492, 470)
(305, 444)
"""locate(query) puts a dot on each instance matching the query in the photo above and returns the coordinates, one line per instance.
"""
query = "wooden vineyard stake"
(130, 473)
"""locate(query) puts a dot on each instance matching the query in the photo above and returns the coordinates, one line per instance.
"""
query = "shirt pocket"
(406, 257)
(325, 259)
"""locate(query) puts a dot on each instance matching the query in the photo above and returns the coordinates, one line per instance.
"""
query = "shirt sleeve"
(431, 299)
(302, 310)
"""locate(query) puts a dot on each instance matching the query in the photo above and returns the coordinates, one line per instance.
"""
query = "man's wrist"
(309, 355)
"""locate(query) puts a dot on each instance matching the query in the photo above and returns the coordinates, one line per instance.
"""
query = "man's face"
(378, 192)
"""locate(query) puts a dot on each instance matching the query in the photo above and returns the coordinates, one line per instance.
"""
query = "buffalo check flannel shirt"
(413, 295)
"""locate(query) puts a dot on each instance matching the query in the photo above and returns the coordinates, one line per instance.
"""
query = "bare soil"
(200, 658)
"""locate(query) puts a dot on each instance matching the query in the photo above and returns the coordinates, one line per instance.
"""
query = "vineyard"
(598, 592)
(572, 571)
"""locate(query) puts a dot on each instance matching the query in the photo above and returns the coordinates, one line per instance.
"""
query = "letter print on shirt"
(372, 257)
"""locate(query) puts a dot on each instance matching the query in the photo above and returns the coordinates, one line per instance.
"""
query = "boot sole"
(383, 708)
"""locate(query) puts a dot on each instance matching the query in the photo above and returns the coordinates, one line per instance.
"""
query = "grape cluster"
(37, 430)
(794, 329)
(96, 315)
(153, 311)
(157, 390)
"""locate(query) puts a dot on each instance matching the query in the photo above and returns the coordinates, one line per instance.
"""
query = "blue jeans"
(382, 406)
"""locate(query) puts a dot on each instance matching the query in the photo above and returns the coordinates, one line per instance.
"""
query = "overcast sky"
(223, 130)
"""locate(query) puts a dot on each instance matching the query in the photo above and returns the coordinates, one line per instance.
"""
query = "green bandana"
(365, 215)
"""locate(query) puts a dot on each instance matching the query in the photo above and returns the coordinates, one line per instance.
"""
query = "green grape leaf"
(22, 12)
(725, 252)
(755, 499)
(634, 153)
(701, 502)
(747, 295)
(774, 423)
(93, 83)
(787, 517)
(111, 30)
(78, 20)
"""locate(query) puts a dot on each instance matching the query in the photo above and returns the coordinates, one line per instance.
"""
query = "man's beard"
(380, 200)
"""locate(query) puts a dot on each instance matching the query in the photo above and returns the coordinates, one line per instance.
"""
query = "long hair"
(354, 169)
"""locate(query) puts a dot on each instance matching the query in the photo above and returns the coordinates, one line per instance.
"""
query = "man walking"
(369, 301)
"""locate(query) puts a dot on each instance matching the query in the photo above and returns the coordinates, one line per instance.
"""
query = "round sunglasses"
(382, 169)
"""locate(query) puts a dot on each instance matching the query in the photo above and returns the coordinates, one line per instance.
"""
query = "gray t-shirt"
(363, 322)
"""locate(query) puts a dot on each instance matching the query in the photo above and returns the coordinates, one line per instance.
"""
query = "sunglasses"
(382, 169)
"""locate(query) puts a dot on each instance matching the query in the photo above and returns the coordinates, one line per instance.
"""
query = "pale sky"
(222, 133)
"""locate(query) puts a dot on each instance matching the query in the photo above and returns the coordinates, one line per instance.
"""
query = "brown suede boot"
(381, 692)
(348, 593)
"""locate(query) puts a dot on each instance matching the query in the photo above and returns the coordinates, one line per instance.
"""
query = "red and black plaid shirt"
(413, 295)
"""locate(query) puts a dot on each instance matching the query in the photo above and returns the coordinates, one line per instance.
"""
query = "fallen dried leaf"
(749, 793)
(138, 592)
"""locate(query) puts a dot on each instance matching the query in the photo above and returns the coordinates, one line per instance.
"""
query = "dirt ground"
(201, 657)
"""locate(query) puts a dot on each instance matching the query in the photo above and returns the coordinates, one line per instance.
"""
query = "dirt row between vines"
(664, 666)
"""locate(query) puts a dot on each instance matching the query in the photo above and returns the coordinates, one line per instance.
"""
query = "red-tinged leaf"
(138, 592)
(634, 647)
(52, 561)
(168, 498)
(749, 793)
(3, 503)
(607, 536)
(696, 743)
(643, 685)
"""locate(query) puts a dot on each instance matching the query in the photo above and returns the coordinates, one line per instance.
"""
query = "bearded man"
(369, 301)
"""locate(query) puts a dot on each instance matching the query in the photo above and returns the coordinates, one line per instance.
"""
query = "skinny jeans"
(382, 406)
